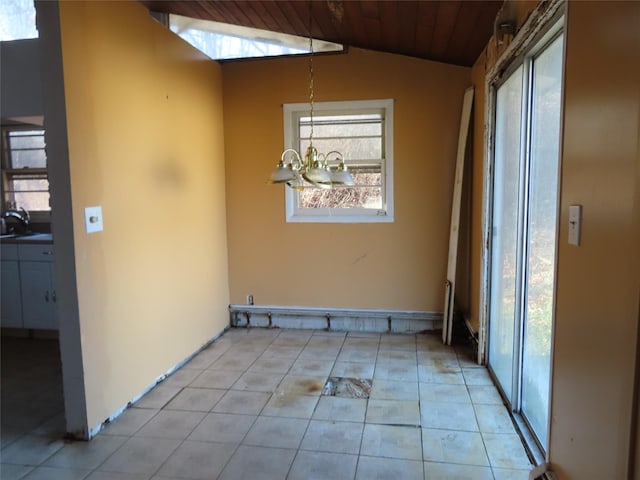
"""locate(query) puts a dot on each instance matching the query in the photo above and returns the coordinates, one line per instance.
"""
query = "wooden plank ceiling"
(450, 31)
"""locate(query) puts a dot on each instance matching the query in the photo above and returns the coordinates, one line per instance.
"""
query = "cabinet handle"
(48, 252)
(54, 297)
(46, 296)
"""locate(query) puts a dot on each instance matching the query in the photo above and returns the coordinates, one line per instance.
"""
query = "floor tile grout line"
(237, 447)
(262, 410)
(192, 430)
(241, 442)
(314, 410)
(475, 416)
(308, 421)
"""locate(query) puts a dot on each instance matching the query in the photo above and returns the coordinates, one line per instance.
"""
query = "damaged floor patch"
(347, 387)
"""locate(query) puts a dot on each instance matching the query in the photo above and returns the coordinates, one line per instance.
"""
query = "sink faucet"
(20, 214)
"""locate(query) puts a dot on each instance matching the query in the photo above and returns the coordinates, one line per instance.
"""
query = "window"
(223, 41)
(25, 181)
(363, 132)
(17, 20)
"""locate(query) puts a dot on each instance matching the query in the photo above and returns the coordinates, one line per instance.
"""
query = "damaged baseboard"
(542, 472)
(358, 320)
(93, 431)
(473, 336)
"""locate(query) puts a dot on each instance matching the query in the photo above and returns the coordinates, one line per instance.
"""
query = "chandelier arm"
(340, 155)
(298, 161)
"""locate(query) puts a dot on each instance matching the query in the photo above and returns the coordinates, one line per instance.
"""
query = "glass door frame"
(543, 26)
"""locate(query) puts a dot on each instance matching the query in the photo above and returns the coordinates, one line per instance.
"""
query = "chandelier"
(318, 169)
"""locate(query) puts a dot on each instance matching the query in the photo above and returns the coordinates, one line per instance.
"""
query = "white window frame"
(293, 111)
(9, 173)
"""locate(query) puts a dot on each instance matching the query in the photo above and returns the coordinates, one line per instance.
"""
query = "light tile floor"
(250, 407)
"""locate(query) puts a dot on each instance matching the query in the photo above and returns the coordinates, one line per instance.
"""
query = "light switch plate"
(575, 224)
(93, 219)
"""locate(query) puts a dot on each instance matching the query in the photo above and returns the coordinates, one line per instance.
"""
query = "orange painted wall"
(598, 283)
(145, 137)
(401, 265)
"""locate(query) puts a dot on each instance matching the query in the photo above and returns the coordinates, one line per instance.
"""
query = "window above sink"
(25, 180)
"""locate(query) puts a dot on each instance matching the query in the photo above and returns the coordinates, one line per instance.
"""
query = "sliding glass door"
(524, 233)
(505, 268)
(541, 235)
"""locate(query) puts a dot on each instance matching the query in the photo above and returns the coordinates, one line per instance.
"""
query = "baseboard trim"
(337, 319)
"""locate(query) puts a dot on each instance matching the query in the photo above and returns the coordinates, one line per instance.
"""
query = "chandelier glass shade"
(317, 169)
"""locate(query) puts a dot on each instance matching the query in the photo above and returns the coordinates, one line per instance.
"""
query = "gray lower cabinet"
(11, 300)
(28, 287)
(38, 295)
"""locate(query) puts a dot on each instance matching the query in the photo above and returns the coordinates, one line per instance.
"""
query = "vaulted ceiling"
(450, 31)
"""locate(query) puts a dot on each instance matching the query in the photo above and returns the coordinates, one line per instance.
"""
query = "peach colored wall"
(400, 265)
(598, 283)
(145, 137)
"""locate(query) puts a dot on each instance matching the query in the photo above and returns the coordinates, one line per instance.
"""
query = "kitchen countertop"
(36, 238)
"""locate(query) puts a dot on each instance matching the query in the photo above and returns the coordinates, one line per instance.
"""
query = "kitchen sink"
(27, 237)
(34, 237)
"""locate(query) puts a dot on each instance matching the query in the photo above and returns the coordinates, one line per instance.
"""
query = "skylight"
(222, 41)
(17, 20)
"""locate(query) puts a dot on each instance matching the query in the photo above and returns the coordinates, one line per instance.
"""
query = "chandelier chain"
(311, 71)
(314, 168)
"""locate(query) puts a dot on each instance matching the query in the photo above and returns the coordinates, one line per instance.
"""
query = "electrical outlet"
(249, 299)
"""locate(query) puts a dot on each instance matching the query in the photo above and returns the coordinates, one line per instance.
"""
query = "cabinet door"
(38, 295)
(11, 303)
